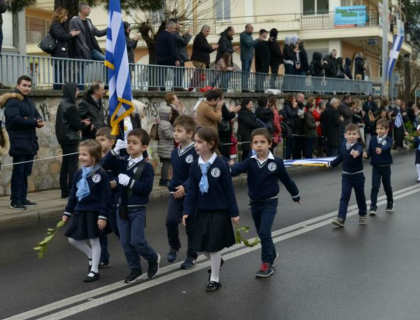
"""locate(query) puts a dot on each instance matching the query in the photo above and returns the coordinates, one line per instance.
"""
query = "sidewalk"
(50, 205)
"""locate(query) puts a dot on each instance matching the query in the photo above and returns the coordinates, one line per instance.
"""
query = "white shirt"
(132, 162)
(211, 160)
(262, 162)
(182, 150)
(348, 146)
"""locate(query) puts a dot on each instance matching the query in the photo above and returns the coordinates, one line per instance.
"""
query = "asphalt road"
(360, 272)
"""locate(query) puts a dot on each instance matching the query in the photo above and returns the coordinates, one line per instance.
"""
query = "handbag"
(48, 44)
(224, 126)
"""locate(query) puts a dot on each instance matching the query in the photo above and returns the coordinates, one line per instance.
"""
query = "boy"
(350, 155)
(107, 141)
(181, 159)
(135, 183)
(264, 171)
(379, 152)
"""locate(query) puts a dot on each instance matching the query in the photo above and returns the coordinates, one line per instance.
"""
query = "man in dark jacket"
(359, 68)
(347, 68)
(166, 52)
(3, 8)
(22, 119)
(331, 124)
(91, 108)
(262, 61)
(181, 43)
(276, 57)
(225, 43)
(67, 128)
(330, 65)
(265, 114)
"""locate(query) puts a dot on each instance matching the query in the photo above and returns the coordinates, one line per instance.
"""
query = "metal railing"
(52, 73)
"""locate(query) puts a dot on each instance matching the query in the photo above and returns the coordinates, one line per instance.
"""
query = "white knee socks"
(93, 253)
(215, 261)
(418, 171)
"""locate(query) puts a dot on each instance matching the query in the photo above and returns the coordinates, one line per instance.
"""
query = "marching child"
(264, 170)
(107, 141)
(379, 152)
(88, 205)
(350, 155)
(210, 192)
(182, 157)
(135, 183)
(417, 147)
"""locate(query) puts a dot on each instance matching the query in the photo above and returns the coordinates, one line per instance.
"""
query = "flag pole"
(385, 30)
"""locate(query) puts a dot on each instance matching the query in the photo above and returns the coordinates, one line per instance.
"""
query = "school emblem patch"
(215, 172)
(96, 178)
(189, 159)
(272, 166)
(383, 142)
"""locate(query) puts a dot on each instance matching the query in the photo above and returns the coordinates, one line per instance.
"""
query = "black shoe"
(172, 254)
(17, 206)
(28, 203)
(372, 211)
(213, 286)
(338, 222)
(189, 263)
(390, 206)
(92, 276)
(153, 267)
(135, 274)
(103, 265)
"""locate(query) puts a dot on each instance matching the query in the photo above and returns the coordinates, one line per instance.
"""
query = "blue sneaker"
(189, 263)
(265, 270)
(172, 255)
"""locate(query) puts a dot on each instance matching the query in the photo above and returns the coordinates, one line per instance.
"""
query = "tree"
(412, 24)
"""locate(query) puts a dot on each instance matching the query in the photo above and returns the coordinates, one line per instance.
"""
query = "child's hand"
(235, 220)
(101, 224)
(300, 202)
(113, 184)
(406, 133)
(378, 150)
(355, 153)
(180, 192)
(365, 155)
(328, 165)
(64, 218)
(123, 179)
(184, 220)
(231, 163)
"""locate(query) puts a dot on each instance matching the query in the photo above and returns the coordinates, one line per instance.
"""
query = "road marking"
(166, 275)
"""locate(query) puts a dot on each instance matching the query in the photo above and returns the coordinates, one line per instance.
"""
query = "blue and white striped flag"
(394, 53)
(399, 120)
(317, 162)
(116, 60)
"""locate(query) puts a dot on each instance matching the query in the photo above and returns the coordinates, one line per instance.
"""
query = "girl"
(209, 180)
(89, 205)
(166, 143)
(223, 66)
(417, 147)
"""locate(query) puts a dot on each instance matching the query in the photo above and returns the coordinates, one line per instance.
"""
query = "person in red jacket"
(319, 145)
(272, 103)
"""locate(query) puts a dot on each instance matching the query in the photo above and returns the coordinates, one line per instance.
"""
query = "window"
(222, 10)
(312, 7)
(36, 29)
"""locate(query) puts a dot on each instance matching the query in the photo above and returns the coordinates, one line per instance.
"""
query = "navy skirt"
(83, 225)
(213, 231)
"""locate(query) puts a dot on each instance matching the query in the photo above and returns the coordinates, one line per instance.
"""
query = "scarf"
(83, 186)
(204, 182)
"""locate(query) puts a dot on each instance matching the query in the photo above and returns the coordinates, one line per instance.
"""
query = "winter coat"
(317, 69)
(288, 53)
(208, 116)
(247, 45)
(165, 49)
(262, 57)
(266, 115)
(371, 106)
(359, 67)
(276, 56)
(340, 68)
(331, 67)
(67, 122)
(347, 68)
(247, 122)
(90, 109)
(304, 64)
(81, 47)
(290, 115)
(131, 46)
(21, 123)
(317, 117)
(64, 38)
(201, 50)
(370, 127)
(166, 133)
(181, 43)
(3, 9)
(330, 120)
(225, 45)
(309, 125)
(347, 114)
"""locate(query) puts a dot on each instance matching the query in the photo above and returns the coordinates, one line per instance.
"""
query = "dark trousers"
(224, 144)
(179, 76)
(166, 164)
(261, 75)
(290, 145)
(103, 239)
(263, 214)
(309, 147)
(399, 137)
(20, 174)
(332, 151)
(379, 173)
(349, 182)
(133, 239)
(246, 68)
(173, 219)
(298, 148)
(69, 168)
(274, 74)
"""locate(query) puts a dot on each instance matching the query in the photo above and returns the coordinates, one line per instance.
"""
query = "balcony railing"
(52, 73)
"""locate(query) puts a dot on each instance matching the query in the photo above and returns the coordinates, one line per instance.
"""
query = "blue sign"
(350, 17)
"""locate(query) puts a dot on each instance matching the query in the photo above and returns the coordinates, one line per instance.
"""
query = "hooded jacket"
(331, 67)
(276, 56)
(67, 122)
(359, 67)
(90, 109)
(317, 69)
(225, 45)
(247, 45)
(166, 133)
(289, 56)
(347, 68)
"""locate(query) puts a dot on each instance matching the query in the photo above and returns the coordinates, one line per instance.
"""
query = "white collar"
(380, 139)
(182, 150)
(211, 160)
(262, 162)
(132, 162)
(348, 146)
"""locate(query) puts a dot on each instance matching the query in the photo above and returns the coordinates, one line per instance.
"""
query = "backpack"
(286, 131)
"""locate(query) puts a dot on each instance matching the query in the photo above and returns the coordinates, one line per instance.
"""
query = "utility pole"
(385, 31)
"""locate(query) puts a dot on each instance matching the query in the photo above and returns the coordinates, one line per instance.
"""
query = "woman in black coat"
(247, 122)
(225, 129)
(62, 49)
(276, 56)
(317, 68)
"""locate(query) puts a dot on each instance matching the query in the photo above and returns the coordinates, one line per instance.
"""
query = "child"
(350, 155)
(135, 183)
(107, 141)
(264, 170)
(210, 191)
(379, 152)
(166, 142)
(417, 147)
(88, 205)
(181, 159)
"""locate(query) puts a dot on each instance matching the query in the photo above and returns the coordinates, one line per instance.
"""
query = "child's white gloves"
(120, 145)
(123, 179)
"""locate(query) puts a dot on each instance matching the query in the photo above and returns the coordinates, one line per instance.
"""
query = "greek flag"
(398, 120)
(394, 53)
(318, 162)
(116, 60)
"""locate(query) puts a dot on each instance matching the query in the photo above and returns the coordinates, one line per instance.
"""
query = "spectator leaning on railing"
(262, 61)
(166, 52)
(225, 44)
(330, 65)
(247, 53)
(276, 57)
(181, 43)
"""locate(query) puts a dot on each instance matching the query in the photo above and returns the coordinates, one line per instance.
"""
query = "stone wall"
(45, 173)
